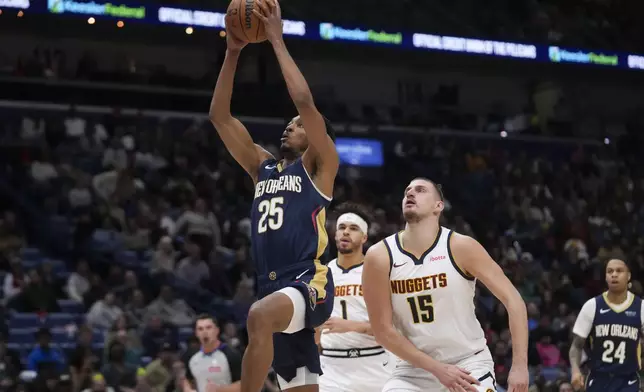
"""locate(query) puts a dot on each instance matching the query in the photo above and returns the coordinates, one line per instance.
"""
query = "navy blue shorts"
(610, 382)
(293, 351)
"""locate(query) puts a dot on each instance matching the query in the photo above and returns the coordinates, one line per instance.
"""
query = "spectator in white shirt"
(170, 309)
(78, 282)
(80, 196)
(104, 312)
(42, 171)
(164, 257)
(201, 226)
(115, 156)
(193, 269)
(32, 129)
(74, 125)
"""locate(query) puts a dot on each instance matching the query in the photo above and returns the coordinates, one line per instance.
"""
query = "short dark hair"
(438, 187)
(206, 316)
(329, 128)
(628, 267)
(358, 209)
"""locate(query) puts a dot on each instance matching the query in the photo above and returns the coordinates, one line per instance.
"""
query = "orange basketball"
(241, 21)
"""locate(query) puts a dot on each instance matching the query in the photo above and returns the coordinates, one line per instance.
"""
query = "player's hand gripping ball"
(243, 23)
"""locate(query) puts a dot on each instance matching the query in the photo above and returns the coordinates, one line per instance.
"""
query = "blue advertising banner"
(327, 31)
(360, 152)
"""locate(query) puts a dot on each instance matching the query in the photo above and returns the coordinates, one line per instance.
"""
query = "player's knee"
(257, 322)
(269, 315)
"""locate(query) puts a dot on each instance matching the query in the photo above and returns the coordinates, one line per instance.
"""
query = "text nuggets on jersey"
(416, 285)
(348, 290)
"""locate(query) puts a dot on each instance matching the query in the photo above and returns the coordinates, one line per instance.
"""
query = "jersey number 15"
(271, 214)
(422, 308)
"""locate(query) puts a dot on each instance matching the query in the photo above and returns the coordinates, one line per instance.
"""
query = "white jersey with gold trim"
(348, 304)
(433, 301)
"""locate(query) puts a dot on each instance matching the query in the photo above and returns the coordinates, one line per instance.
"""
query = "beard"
(346, 251)
(411, 217)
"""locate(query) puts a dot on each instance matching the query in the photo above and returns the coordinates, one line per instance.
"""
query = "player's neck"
(417, 236)
(350, 260)
(617, 298)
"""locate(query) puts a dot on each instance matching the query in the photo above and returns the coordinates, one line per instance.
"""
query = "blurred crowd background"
(122, 216)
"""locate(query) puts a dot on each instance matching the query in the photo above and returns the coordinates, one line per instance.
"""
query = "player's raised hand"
(456, 379)
(518, 379)
(577, 381)
(235, 44)
(271, 16)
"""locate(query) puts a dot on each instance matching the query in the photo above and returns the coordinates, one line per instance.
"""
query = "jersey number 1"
(272, 214)
(422, 308)
(611, 353)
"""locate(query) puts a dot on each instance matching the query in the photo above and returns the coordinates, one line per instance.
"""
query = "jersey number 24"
(612, 353)
(271, 214)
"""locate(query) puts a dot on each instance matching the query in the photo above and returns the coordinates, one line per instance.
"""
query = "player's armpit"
(471, 257)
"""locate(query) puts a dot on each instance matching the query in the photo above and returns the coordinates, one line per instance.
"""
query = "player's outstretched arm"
(232, 132)
(377, 296)
(319, 141)
(471, 257)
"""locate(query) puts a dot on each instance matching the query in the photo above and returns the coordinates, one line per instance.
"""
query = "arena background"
(529, 113)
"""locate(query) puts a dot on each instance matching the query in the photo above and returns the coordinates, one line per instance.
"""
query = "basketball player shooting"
(288, 223)
(431, 272)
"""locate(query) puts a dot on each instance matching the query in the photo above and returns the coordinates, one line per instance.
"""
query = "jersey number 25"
(272, 214)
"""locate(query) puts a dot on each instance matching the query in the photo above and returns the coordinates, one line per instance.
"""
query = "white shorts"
(408, 379)
(363, 374)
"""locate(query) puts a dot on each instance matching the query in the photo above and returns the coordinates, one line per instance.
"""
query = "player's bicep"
(473, 258)
(240, 145)
(375, 288)
(321, 146)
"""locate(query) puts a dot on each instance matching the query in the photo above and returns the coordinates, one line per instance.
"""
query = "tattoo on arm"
(576, 349)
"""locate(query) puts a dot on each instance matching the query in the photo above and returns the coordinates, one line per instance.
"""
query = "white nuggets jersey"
(348, 304)
(433, 301)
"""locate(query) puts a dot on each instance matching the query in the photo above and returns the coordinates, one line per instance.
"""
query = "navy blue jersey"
(288, 221)
(615, 338)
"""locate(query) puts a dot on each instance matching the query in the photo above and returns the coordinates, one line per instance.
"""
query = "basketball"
(242, 23)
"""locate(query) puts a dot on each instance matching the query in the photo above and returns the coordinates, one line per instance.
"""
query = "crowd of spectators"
(121, 228)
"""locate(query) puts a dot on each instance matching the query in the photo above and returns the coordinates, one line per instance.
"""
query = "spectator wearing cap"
(43, 355)
(159, 372)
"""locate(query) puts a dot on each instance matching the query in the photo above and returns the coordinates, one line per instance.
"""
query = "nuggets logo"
(553, 53)
(313, 295)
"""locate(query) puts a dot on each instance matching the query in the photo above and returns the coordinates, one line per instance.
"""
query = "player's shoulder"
(457, 240)
(194, 358)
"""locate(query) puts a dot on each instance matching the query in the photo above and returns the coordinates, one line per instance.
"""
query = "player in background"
(351, 359)
(288, 222)
(427, 316)
(215, 367)
(613, 321)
